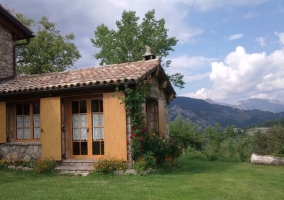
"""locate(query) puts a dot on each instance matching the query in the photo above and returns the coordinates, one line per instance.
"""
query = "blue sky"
(227, 50)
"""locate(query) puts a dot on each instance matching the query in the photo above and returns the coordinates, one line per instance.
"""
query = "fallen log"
(266, 160)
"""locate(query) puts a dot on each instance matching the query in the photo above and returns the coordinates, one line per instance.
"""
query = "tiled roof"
(104, 75)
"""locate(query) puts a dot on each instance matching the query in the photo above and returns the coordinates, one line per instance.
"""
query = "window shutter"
(50, 119)
(3, 124)
(115, 126)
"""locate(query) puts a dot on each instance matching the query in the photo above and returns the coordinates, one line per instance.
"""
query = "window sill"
(23, 143)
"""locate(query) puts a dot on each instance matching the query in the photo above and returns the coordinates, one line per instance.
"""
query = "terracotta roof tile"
(104, 75)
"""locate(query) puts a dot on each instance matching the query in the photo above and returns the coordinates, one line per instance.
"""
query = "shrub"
(145, 162)
(244, 148)
(44, 165)
(270, 143)
(160, 147)
(4, 162)
(110, 164)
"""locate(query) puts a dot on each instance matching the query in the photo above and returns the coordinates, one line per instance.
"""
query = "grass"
(193, 180)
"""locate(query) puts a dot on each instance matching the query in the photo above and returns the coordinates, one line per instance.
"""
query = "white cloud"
(242, 75)
(281, 38)
(261, 41)
(188, 66)
(205, 5)
(251, 15)
(235, 37)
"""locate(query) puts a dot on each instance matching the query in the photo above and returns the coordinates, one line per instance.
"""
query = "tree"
(185, 134)
(127, 43)
(49, 51)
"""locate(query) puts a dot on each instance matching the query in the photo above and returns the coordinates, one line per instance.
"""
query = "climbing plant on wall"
(143, 143)
(133, 101)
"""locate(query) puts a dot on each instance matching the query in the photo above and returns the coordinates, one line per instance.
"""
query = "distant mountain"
(206, 114)
(274, 106)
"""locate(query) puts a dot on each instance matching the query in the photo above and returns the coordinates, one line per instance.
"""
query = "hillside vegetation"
(227, 144)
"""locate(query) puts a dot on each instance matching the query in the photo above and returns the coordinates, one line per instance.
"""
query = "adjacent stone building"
(11, 30)
(6, 52)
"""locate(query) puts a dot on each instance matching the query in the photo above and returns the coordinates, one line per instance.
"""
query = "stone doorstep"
(76, 170)
(74, 162)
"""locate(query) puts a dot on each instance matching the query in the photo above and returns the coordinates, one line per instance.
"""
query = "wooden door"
(98, 127)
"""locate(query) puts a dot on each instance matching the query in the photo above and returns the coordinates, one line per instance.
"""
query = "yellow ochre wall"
(3, 124)
(50, 120)
(114, 126)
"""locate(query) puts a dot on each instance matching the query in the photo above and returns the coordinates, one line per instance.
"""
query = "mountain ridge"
(207, 114)
(271, 105)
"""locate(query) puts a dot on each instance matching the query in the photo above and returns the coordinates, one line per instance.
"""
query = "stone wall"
(20, 151)
(6, 52)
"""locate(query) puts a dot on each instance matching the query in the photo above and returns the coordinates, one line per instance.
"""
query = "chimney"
(148, 55)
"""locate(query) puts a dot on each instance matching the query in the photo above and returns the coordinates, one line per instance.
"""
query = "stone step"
(76, 170)
(76, 167)
(74, 162)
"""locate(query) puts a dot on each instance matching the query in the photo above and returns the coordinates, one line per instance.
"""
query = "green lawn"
(193, 180)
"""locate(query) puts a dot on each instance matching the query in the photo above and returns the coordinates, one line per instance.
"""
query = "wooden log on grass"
(267, 160)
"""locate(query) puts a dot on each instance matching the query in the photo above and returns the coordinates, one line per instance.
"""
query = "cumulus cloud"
(235, 37)
(261, 41)
(242, 75)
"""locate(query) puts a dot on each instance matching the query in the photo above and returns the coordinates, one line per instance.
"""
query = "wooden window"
(97, 127)
(152, 115)
(80, 127)
(27, 126)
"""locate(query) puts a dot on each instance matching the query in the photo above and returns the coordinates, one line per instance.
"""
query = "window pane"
(102, 133)
(84, 148)
(96, 148)
(101, 105)
(102, 148)
(26, 109)
(84, 134)
(96, 134)
(26, 133)
(76, 148)
(36, 121)
(19, 134)
(95, 105)
(101, 120)
(75, 107)
(36, 108)
(95, 119)
(76, 134)
(36, 133)
(27, 121)
(20, 121)
(83, 120)
(75, 121)
(19, 109)
(83, 106)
